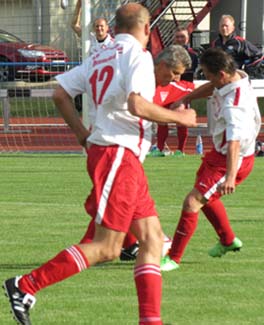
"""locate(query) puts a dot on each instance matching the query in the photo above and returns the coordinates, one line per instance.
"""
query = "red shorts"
(213, 170)
(120, 190)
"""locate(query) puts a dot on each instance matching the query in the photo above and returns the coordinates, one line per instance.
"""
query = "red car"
(35, 62)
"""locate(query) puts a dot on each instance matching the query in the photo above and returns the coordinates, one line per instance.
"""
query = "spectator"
(240, 49)
(236, 124)
(101, 37)
(100, 40)
(182, 38)
(120, 81)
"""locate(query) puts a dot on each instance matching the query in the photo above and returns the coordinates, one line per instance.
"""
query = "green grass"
(42, 213)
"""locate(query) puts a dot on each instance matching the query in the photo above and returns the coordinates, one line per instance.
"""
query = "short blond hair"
(231, 18)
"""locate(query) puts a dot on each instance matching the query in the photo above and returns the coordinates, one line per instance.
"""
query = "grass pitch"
(42, 212)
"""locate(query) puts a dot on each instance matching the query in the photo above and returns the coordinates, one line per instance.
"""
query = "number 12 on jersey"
(102, 77)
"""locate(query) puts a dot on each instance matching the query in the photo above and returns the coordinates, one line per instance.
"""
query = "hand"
(188, 117)
(179, 108)
(182, 101)
(82, 139)
(227, 187)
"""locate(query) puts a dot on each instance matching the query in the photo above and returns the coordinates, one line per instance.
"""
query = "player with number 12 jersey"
(109, 77)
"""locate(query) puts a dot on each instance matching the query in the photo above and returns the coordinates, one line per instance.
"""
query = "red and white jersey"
(108, 77)
(172, 92)
(97, 46)
(235, 116)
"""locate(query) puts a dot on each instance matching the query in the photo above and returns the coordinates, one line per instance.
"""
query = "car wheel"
(6, 72)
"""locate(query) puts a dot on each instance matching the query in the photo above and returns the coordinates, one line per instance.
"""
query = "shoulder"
(183, 85)
(239, 38)
(191, 51)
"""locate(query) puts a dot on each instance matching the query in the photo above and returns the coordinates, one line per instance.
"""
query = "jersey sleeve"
(74, 81)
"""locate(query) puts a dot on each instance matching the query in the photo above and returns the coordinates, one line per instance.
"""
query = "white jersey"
(109, 77)
(235, 116)
(97, 46)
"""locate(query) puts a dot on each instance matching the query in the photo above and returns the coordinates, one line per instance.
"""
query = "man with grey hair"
(170, 64)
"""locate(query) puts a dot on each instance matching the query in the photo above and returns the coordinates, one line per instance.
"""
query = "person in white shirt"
(100, 37)
(235, 123)
(121, 82)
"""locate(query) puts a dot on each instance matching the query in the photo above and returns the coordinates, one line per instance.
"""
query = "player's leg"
(89, 234)
(182, 134)
(216, 214)
(187, 224)
(184, 230)
(106, 246)
(147, 269)
(130, 248)
(162, 134)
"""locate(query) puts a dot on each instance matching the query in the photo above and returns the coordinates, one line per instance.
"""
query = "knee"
(153, 240)
(193, 202)
(188, 203)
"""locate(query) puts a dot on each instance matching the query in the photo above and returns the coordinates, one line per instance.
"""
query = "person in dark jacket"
(239, 48)
(182, 38)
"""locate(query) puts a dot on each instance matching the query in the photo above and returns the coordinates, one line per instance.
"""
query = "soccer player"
(165, 96)
(121, 82)
(178, 60)
(236, 123)
(168, 94)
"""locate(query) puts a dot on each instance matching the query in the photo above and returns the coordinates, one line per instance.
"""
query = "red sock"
(65, 264)
(162, 135)
(148, 283)
(89, 235)
(184, 231)
(130, 240)
(182, 133)
(215, 212)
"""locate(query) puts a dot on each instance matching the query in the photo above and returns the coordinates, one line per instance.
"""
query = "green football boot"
(219, 250)
(167, 264)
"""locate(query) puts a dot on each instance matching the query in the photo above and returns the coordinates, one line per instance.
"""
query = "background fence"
(29, 121)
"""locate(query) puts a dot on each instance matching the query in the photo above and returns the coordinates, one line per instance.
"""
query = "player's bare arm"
(65, 105)
(232, 157)
(140, 107)
(76, 20)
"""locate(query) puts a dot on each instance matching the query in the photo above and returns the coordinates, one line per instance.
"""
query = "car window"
(9, 38)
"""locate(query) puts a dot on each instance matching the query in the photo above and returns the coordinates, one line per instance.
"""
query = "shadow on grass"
(18, 266)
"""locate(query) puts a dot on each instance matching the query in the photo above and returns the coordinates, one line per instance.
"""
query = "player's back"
(114, 73)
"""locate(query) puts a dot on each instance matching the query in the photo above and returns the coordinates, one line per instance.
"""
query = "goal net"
(36, 43)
